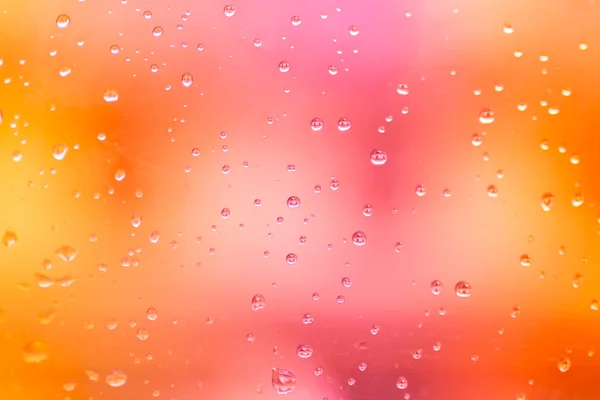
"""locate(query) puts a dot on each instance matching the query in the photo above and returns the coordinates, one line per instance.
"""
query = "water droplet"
(318, 371)
(9, 238)
(111, 95)
(152, 314)
(116, 378)
(346, 282)
(436, 287)
(316, 124)
(421, 190)
(402, 89)
(374, 330)
(44, 281)
(225, 213)
(378, 157)
(362, 366)
(258, 302)
(296, 20)
(437, 346)
(59, 151)
(564, 364)
(341, 299)
(344, 124)
(283, 381)
(17, 156)
(353, 30)
(334, 184)
(284, 66)
(367, 210)
(492, 191)
(293, 202)
(577, 281)
(359, 238)
(187, 79)
(402, 383)
(577, 200)
(229, 10)
(398, 247)
(66, 253)
(147, 14)
(307, 319)
(142, 334)
(35, 352)
(463, 289)
(575, 159)
(515, 312)
(62, 21)
(525, 260)
(120, 174)
(304, 351)
(476, 140)
(508, 29)
(157, 31)
(486, 116)
(547, 201)
(291, 258)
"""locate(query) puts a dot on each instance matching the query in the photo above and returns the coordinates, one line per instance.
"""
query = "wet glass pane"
(338, 200)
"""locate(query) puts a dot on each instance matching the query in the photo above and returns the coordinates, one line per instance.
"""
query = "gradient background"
(198, 343)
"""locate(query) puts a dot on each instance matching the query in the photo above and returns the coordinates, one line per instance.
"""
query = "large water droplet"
(62, 21)
(463, 289)
(66, 253)
(378, 157)
(59, 151)
(293, 202)
(258, 302)
(304, 351)
(116, 378)
(229, 10)
(283, 381)
(359, 238)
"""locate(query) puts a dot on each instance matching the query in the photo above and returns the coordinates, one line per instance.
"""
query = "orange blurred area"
(321, 199)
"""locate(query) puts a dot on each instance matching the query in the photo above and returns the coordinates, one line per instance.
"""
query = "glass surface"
(313, 199)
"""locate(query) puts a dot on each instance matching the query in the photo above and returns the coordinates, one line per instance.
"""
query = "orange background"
(198, 342)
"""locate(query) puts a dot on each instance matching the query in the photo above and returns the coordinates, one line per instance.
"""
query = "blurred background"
(319, 199)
